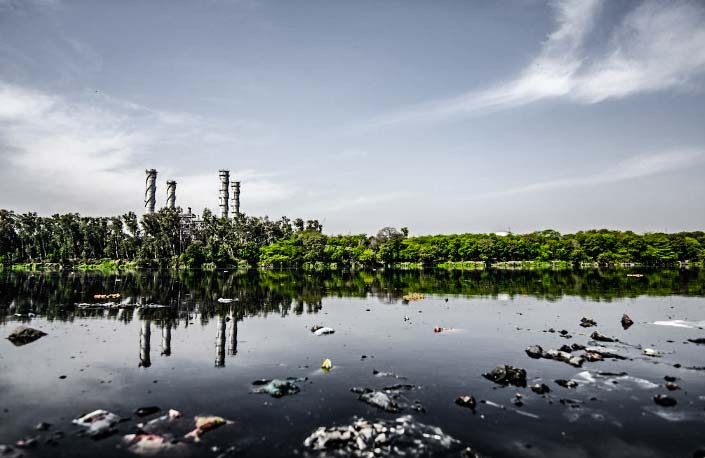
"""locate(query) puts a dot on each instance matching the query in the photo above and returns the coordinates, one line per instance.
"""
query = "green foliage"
(163, 240)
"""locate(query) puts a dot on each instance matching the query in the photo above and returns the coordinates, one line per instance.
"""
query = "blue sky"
(446, 116)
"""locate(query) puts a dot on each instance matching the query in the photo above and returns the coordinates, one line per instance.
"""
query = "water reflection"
(145, 336)
(186, 294)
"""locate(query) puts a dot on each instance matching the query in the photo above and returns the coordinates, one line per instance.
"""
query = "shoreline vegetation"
(165, 240)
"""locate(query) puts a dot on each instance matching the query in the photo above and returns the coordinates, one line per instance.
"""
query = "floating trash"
(278, 388)
(98, 423)
(327, 364)
(205, 424)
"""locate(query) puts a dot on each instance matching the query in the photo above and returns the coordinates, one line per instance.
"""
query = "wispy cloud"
(89, 152)
(632, 168)
(656, 46)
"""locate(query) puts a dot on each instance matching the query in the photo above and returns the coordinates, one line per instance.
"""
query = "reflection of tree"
(195, 293)
(145, 337)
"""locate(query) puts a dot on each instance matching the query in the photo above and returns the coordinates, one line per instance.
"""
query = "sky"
(442, 116)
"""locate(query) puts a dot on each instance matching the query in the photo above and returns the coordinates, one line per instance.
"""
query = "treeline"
(164, 239)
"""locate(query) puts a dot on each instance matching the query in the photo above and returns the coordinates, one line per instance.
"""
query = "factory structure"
(226, 206)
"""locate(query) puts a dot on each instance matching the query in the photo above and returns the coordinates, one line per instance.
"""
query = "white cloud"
(89, 153)
(632, 168)
(657, 46)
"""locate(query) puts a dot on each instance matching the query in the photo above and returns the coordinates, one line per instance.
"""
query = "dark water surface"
(199, 356)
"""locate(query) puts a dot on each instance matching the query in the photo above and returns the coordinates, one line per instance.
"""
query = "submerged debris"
(23, 335)
(626, 321)
(413, 297)
(699, 341)
(466, 401)
(107, 296)
(377, 373)
(507, 375)
(401, 437)
(278, 388)
(98, 423)
(587, 322)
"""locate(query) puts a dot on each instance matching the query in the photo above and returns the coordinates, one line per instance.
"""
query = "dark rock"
(42, 426)
(466, 401)
(670, 386)
(535, 351)
(566, 383)
(577, 346)
(563, 332)
(601, 337)
(540, 388)
(587, 322)
(665, 400)
(507, 375)
(144, 411)
(670, 378)
(699, 341)
(626, 321)
(566, 349)
(23, 335)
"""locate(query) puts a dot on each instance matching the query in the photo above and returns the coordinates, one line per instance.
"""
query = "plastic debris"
(403, 436)
(681, 323)
(380, 399)
(507, 375)
(152, 444)
(98, 423)
(278, 388)
(323, 330)
(614, 381)
(651, 352)
(225, 300)
(23, 335)
(626, 321)
(205, 424)
(327, 364)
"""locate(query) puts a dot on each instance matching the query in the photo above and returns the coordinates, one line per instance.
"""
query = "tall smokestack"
(236, 198)
(171, 194)
(150, 190)
(224, 184)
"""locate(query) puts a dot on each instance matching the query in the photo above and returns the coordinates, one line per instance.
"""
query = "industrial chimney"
(224, 184)
(171, 194)
(150, 190)
(236, 198)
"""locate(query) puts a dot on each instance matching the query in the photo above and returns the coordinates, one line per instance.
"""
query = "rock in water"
(535, 351)
(23, 335)
(145, 411)
(507, 375)
(626, 321)
(380, 399)
(665, 400)
(466, 401)
(601, 337)
(587, 322)
(278, 388)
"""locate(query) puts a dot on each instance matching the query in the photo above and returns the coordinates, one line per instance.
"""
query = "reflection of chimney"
(150, 190)
(233, 339)
(236, 198)
(145, 335)
(171, 194)
(220, 344)
(166, 339)
(224, 184)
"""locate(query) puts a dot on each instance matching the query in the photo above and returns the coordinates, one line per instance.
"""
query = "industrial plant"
(189, 218)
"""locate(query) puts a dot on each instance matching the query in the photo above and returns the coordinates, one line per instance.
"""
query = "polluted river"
(468, 363)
